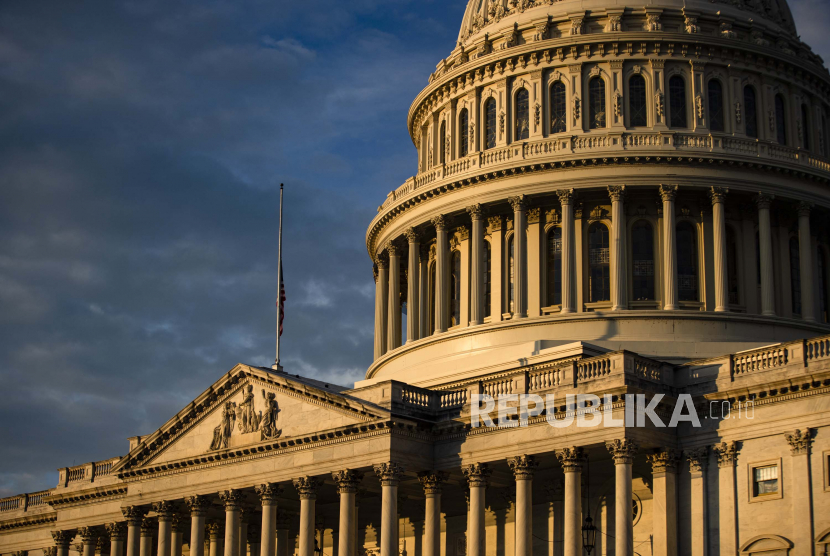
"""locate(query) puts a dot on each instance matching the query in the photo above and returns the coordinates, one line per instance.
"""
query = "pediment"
(250, 407)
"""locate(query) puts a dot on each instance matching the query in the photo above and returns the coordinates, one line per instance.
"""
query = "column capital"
(306, 487)
(623, 450)
(440, 223)
(698, 459)
(665, 461)
(412, 236)
(804, 208)
(134, 514)
(763, 201)
(518, 202)
(116, 530)
(382, 263)
(389, 473)
(727, 453)
(432, 481)
(178, 524)
(668, 192)
(148, 527)
(800, 441)
(216, 531)
(268, 493)
(391, 249)
(102, 545)
(572, 459)
(523, 467)
(566, 196)
(63, 538)
(198, 505)
(347, 480)
(164, 510)
(476, 212)
(88, 534)
(478, 474)
(232, 499)
(495, 223)
(718, 194)
(616, 192)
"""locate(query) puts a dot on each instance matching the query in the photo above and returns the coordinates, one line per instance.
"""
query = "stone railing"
(499, 387)
(759, 360)
(24, 502)
(86, 473)
(817, 348)
(545, 379)
(593, 368)
(416, 397)
(452, 398)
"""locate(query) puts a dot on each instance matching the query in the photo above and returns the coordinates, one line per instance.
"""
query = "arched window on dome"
(554, 266)
(510, 275)
(558, 108)
(522, 115)
(455, 288)
(751, 110)
(599, 263)
(805, 127)
(795, 275)
(715, 93)
(677, 102)
(596, 103)
(443, 154)
(780, 120)
(687, 273)
(822, 285)
(488, 278)
(464, 133)
(732, 266)
(431, 308)
(642, 250)
(637, 103)
(490, 123)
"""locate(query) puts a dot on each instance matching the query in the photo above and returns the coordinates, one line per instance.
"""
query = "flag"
(281, 302)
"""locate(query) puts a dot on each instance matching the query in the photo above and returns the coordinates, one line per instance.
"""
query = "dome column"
(381, 298)
(412, 285)
(618, 270)
(519, 256)
(477, 265)
(718, 196)
(805, 255)
(393, 333)
(765, 247)
(441, 273)
(496, 250)
(566, 198)
(423, 295)
(668, 193)
(535, 242)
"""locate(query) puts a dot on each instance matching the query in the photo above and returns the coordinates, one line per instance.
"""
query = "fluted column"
(535, 248)
(477, 265)
(307, 489)
(146, 544)
(390, 475)
(718, 196)
(347, 482)
(441, 274)
(572, 460)
(478, 475)
(619, 289)
(198, 506)
(64, 538)
(664, 470)
(566, 199)
(519, 256)
(423, 294)
(89, 537)
(232, 500)
(623, 452)
(496, 260)
(412, 286)
(805, 256)
(698, 463)
(177, 527)
(433, 483)
(393, 332)
(727, 453)
(216, 533)
(134, 516)
(164, 511)
(268, 495)
(381, 299)
(117, 534)
(765, 247)
(802, 497)
(523, 468)
(667, 194)
(283, 525)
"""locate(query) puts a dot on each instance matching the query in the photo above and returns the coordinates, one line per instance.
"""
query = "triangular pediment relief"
(247, 407)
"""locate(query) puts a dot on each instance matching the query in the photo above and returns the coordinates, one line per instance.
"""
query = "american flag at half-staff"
(281, 299)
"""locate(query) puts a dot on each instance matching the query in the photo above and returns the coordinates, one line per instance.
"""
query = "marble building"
(611, 199)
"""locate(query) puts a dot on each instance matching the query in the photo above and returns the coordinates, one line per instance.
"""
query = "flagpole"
(276, 366)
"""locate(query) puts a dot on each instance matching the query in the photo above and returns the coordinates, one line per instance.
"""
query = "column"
(347, 482)
(462, 233)
(198, 506)
(664, 469)
(89, 536)
(423, 295)
(63, 538)
(177, 527)
(232, 500)
(217, 533)
(619, 275)
(146, 545)
(572, 460)
(117, 534)
(519, 256)
(393, 331)
(254, 537)
(307, 489)
(535, 244)
(433, 483)
(718, 196)
(245, 516)
(727, 453)
(164, 511)
(805, 256)
(134, 516)
(381, 298)
(802, 505)
(268, 494)
(566, 199)
(523, 468)
(413, 277)
(477, 265)
(389, 475)
(283, 524)
(765, 244)
(441, 274)
(623, 452)
(668, 193)
(496, 250)
(698, 462)
(478, 475)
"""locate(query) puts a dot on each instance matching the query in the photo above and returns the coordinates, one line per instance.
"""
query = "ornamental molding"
(198, 505)
(622, 450)
(433, 481)
(84, 497)
(26, 522)
(800, 441)
(477, 474)
(523, 467)
(665, 461)
(727, 453)
(268, 493)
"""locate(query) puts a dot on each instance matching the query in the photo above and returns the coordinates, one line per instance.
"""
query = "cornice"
(33, 521)
(81, 497)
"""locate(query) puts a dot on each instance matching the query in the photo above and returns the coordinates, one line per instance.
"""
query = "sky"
(142, 144)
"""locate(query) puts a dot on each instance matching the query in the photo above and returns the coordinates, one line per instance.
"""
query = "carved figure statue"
(268, 425)
(246, 412)
(222, 433)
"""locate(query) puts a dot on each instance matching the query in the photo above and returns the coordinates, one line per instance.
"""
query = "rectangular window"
(765, 480)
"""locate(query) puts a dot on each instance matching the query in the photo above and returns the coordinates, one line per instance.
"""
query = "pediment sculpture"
(248, 419)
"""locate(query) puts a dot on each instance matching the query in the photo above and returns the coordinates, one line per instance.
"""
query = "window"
(490, 123)
(642, 239)
(751, 112)
(522, 115)
(637, 104)
(795, 275)
(822, 285)
(442, 155)
(558, 108)
(510, 275)
(431, 308)
(599, 266)
(677, 101)
(464, 133)
(596, 115)
(555, 266)
(805, 127)
(687, 262)
(732, 266)
(765, 480)
(715, 105)
(780, 120)
(488, 278)
(455, 288)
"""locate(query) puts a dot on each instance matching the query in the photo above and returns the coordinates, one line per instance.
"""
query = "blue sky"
(143, 143)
